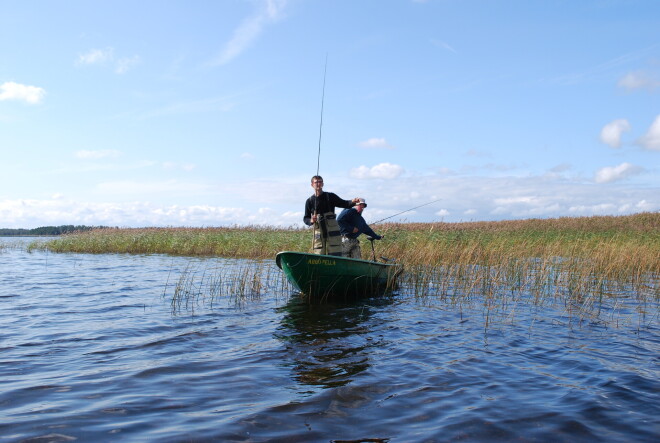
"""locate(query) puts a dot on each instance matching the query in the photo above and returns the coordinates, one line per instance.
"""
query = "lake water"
(92, 350)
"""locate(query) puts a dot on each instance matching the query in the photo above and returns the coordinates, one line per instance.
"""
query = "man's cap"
(361, 201)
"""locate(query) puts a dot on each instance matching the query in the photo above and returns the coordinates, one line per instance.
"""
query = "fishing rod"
(407, 210)
(318, 158)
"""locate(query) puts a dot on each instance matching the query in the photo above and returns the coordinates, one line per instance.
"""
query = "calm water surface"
(91, 350)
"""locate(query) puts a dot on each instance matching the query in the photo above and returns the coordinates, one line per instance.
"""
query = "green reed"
(579, 261)
(207, 284)
(245, 242)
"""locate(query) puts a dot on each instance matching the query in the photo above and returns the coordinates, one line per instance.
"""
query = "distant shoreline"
(29, 235)
(46, 231)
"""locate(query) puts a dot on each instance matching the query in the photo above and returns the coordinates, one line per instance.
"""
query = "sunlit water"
(91, 350)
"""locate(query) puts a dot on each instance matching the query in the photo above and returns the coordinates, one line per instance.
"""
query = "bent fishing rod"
(318, 157)
(407, 210)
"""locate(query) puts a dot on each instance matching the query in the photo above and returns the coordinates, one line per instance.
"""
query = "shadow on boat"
(329, 344)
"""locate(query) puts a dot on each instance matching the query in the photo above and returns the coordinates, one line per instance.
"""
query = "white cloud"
(600, 208)
(651, 140)
(514, 200)
(96, 57)
(614, 173)
(269, 12)
(639, 80)
(171, 187)
(247, 156)
(95, 155)
(218, 104)
(16, 91)
(611, 132)
(183, 166)
(124, 64)
(443, 45)
(106, 56)
(383, 170)
(375, 143)
(34, 213)
(244, 202)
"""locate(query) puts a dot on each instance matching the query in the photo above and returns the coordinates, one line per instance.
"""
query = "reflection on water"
(328, 344)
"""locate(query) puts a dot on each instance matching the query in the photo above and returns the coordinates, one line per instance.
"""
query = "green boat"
(331, 277)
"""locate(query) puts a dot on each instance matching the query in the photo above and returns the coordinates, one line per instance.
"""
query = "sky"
(218, 113)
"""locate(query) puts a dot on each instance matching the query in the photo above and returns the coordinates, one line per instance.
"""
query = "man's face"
(359, 208)
(317, 184)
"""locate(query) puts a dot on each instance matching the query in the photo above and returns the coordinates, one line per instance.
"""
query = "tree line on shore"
(46, 230)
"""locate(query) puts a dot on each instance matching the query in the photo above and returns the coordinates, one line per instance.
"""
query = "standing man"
(320, 213)
(351, 225)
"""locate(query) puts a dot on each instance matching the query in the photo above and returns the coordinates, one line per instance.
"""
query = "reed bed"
(616, 246)
(586, 263)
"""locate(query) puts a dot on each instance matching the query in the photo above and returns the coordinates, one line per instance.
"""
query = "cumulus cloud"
(382, 170)
(270, 11)
(614, 173)
(16, 91)
(243, 202)
(611, 132)
(375, 143)
(651, 140)
(95, 155)
(639, 80)
(34, 213)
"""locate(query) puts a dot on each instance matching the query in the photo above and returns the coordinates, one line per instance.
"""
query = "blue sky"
(207, 113)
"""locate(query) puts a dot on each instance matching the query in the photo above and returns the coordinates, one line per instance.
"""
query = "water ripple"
(90, 350)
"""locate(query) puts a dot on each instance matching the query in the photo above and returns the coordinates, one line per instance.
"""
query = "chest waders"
(327, 238)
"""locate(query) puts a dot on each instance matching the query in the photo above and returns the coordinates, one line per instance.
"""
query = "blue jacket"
(349, 219)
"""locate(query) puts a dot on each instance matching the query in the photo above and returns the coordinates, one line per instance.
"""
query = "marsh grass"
(592, 265)
(205, 284)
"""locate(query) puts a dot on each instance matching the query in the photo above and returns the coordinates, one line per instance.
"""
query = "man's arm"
(365, 229)
(307, 218)
(339, 202)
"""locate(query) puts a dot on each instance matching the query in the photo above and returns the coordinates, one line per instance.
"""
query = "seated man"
(351, 225)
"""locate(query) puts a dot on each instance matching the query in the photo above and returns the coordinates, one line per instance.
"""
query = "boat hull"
(327, 276)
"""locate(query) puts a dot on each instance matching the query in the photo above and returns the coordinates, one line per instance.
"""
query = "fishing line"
(407, 210)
